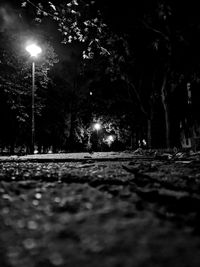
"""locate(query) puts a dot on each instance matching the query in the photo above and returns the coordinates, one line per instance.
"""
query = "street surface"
(126, 212)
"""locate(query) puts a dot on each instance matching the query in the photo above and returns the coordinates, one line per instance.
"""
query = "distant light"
(97, 126)
(33, 50)
(144, 142)
(110, 138)
(90, 93)
(36, 151)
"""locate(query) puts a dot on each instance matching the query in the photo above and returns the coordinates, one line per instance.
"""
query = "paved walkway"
(83, 156)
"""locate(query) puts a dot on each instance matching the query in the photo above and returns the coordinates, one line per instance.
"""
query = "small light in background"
(109, 140)
(144, 142)
(36, 151)
(91, 93)
(97, 126)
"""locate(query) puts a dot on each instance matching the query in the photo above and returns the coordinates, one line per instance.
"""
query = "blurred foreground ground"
(112, 211)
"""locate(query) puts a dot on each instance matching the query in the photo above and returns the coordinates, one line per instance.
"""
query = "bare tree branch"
(155, 30)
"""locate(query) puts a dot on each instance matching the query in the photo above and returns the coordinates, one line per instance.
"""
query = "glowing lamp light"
(33, 50)
(97, 126)
(110, 138)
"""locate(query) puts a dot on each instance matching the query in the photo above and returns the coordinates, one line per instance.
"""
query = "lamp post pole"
(34, 51)
(33, 109)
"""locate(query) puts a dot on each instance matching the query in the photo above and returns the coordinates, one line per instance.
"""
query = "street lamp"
(97, 126)
(34, 50)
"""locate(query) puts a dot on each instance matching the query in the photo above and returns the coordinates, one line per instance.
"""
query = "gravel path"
(108, 213)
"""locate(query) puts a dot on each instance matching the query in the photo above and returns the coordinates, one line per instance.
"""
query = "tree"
(77, 21)
(175, 55)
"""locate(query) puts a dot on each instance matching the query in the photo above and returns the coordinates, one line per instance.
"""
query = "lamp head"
(34, 50)
(97, 126)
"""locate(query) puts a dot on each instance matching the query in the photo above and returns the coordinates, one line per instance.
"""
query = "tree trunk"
(149, 139)
(166, 111)
(72, 117)
(71, 139)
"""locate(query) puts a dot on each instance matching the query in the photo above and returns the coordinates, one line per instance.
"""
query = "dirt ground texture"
(110, 213)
